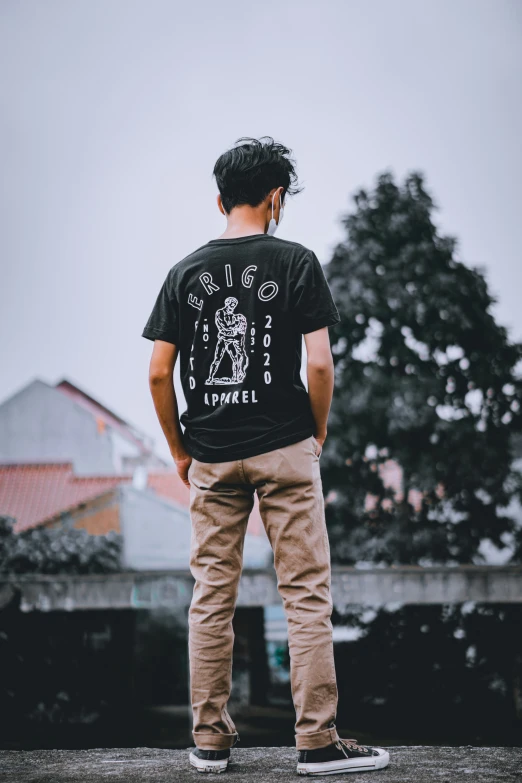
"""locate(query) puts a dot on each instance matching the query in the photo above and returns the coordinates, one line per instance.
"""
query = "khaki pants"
(291, 504)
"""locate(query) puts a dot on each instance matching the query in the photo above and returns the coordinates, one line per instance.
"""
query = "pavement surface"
(408, 764)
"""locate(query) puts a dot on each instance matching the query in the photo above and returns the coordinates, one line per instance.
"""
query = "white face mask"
(272, 226)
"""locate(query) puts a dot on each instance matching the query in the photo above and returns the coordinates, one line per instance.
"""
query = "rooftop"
(35, 493)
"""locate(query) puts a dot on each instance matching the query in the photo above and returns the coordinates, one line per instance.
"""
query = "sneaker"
(345, 755)
(210, 760)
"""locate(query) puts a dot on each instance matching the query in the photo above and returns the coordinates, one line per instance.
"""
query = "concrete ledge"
(258, 587)
(408, 764)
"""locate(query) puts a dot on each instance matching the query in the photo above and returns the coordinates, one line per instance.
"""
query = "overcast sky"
(113, 113)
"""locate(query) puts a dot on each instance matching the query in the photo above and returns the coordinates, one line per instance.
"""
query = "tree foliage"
(437, 674)
(60, 550)
(425, 377)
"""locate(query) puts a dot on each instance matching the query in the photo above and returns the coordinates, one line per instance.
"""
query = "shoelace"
(348, 744)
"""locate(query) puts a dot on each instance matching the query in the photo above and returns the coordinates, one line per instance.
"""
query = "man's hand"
(320, 374)
(182, 466)
(320, 439)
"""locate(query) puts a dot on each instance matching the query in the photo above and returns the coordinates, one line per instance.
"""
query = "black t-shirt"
(236, 309)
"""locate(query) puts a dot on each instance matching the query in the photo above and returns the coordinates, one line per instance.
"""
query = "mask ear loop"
(281, 209)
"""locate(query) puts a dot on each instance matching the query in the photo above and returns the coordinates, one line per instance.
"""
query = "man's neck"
(243, 221)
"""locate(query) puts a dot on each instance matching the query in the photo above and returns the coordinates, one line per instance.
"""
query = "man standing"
(253, 428)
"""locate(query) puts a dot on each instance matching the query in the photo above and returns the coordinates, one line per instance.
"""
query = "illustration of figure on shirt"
(232, 329)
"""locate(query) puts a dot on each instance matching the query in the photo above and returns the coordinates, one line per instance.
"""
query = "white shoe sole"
(208, 766)
(348, 765)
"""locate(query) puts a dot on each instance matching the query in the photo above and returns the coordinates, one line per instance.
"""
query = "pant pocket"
(316, 446)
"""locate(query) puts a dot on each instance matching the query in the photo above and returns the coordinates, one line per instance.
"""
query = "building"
(66, 459)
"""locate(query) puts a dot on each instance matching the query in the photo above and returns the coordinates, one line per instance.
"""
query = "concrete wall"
(350, 586)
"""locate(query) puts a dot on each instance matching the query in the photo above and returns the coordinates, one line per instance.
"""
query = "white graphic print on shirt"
(231, 350)
(232, 328)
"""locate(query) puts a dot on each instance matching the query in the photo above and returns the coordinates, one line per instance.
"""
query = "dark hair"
(247, 173)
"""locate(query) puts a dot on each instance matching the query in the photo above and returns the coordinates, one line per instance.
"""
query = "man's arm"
(320, 375)
(161, 383)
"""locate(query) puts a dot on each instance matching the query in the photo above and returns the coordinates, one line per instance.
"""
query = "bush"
(57, 551)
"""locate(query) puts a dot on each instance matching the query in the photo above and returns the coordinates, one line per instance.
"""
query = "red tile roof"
(35, 493)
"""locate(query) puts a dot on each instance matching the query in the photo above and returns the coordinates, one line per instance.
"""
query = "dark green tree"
(62, 550)
(425, 378)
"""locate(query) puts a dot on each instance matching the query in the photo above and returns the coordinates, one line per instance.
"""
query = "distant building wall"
(98, 517)
(103, 521)
(40, 424)
(156, 532)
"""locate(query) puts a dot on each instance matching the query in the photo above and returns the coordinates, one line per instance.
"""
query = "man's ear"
(279, 201)
(279, 196)
(276, 194)
(220, 205)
